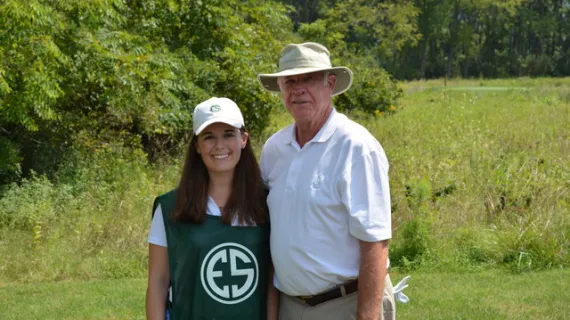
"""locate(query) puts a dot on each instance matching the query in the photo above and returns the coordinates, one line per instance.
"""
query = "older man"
(329, 197)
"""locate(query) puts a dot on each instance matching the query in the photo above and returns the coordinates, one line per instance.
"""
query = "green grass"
(99, 299)
(95, 228)
(482, 295)
(484, 173)
(488, 295)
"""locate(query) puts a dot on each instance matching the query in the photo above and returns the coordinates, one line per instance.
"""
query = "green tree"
(365, 36)
(88, 74)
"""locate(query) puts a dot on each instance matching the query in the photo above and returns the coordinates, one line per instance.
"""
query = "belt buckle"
(305, 298)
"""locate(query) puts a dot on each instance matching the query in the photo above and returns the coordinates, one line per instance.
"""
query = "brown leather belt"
(342, 290)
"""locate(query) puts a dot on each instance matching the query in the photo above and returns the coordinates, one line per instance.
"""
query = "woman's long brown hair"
(247, 202)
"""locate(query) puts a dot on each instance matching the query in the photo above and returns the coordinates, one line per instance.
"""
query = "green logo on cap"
(215, 108)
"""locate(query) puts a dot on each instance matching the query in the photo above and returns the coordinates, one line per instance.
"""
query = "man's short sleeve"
(365, 192)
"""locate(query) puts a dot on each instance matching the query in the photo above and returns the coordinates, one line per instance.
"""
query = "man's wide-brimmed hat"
(306, 58)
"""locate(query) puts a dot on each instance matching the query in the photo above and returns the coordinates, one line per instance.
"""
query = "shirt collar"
(323, 135)
(328, 128)
(289, 134)
(212, 208)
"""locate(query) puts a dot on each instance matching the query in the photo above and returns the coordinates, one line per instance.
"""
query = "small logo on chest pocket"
(317, 181)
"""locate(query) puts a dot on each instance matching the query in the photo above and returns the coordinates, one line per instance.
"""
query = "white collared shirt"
(323, 199)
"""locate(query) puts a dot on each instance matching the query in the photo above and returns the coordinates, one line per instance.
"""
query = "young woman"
(209, 239)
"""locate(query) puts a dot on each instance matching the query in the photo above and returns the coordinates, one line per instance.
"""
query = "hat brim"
(343, 78)
(235, 124)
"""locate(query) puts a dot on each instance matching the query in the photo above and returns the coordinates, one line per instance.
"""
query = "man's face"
(307, 96)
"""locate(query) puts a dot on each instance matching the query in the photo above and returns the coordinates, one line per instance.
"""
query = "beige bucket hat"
(306, 58)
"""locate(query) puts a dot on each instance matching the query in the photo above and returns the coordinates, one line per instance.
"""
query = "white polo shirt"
(323, 199)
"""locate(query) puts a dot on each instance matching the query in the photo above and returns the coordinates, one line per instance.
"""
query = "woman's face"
(220, 147)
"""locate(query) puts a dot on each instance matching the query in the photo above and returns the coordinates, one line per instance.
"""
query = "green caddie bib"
(217, 271)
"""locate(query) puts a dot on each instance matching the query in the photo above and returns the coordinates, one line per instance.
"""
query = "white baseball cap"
(216, 110)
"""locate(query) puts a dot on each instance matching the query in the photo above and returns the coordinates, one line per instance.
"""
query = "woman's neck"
(220, 188)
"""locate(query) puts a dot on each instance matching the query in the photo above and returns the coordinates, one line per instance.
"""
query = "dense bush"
(92, 223)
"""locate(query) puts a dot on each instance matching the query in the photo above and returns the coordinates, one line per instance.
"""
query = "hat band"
(302, 63)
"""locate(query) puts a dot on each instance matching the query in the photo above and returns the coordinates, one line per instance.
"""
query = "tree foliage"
(481, 38)
(87, 73)
(366, 36)
(489, 39)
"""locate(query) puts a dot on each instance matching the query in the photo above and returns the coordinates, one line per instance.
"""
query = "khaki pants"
(343, 308)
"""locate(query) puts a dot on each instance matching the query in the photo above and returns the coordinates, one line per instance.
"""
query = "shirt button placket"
(293, 173)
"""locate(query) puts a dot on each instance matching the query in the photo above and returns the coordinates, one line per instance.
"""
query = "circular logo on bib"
(229, 273)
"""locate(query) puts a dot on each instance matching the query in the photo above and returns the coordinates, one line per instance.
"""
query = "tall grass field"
(480, 184)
